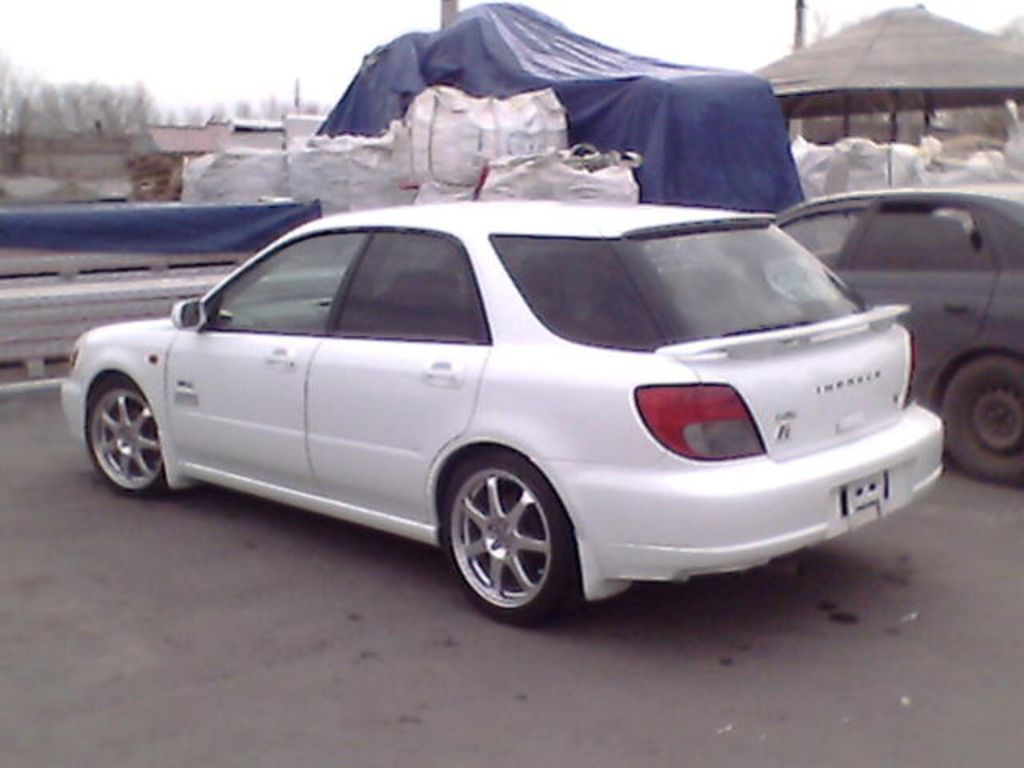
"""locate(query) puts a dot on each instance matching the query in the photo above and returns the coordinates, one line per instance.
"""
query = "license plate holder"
(864, 499)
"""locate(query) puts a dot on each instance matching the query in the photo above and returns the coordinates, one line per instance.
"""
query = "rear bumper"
(676, 519)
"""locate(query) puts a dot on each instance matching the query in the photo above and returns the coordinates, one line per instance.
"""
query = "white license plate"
(863, 500)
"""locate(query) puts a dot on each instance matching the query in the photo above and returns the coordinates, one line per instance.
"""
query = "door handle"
(185, 393)
(957, 309)
(281, 359)
(443, 374)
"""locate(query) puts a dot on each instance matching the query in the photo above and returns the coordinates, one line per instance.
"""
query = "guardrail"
(47, 299)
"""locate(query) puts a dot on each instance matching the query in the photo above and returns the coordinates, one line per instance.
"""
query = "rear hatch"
(813, 386)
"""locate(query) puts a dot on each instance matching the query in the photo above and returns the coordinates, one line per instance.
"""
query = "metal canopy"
(903, 59)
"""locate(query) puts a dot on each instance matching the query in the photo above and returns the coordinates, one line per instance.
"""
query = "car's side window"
(824, 234)
(922, 238)
(290, 291)
(413, 286)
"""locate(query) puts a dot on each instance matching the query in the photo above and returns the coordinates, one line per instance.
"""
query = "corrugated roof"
(907, 57)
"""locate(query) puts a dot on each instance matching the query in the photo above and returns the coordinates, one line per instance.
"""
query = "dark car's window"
(823, 234)
(641, 293)
(921, 238)
(413, 286)
(289, 291)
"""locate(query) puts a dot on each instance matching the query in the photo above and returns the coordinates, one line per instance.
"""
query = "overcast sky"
(201, 52)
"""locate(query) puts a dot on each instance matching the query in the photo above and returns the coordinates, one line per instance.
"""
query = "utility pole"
(796, 125)
(798, 33)
(449, 10)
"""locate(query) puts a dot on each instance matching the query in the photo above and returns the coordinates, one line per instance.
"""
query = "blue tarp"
(150, 227)
(708, 137)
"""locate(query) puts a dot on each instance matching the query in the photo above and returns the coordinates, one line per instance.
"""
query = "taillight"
(700, 421)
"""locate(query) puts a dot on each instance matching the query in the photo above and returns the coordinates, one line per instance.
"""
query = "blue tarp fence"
(708, 137)
(150, 227)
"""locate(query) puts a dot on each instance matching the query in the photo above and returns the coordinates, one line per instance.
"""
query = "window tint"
(734, 281)
(415, 287)
(823, 234)
(921, 238)
(580, 290)
(644, 293)
(289, 291)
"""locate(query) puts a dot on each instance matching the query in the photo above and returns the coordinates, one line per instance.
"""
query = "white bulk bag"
(239, 176)
(453, 135)
(578, 175)
(348, 173)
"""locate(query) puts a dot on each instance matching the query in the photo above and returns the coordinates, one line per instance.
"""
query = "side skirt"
(421, 532)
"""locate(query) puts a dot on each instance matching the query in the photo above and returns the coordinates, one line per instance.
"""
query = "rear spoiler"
(759, 344)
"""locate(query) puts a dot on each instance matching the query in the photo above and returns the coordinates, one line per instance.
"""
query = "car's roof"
(1013, 193)
(539, 218)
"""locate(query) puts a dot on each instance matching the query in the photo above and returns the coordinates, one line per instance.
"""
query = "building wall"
(72, 157)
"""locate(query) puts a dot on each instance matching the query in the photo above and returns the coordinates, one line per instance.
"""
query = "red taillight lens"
(700, 421)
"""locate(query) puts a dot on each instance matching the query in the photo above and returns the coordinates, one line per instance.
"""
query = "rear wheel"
(124, 442)
(984, 413)
(509, 539)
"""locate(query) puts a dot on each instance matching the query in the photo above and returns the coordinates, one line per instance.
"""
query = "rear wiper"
(764, 328)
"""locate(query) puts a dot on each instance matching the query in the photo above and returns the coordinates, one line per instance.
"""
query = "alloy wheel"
(501, 538)
(124, 439)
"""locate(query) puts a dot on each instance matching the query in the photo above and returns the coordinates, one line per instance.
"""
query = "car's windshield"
(646, 291)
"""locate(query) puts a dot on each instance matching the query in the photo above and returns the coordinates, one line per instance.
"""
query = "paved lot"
(210, 629)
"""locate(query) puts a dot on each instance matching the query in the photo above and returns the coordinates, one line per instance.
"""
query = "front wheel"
(509, 539)
(124, 442)
(984, 413)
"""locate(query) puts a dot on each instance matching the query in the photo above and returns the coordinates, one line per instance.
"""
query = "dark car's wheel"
(509, 539)
(124, 442)
(984, 413)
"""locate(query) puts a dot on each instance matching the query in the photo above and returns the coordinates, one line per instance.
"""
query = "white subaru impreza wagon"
(566, 399)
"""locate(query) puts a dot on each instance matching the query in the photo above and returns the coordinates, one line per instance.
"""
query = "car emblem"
(847, 383)
(784, 432)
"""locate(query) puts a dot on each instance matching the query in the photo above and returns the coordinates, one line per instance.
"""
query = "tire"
(984, 414)
(509, 540)
(123, 438)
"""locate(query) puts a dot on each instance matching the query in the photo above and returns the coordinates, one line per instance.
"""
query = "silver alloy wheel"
(124, 440)
(501, 538)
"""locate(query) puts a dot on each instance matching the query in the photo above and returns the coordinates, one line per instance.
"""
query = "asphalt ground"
(207, 629)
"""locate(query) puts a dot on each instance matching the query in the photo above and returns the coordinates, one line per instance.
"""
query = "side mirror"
(188, 314)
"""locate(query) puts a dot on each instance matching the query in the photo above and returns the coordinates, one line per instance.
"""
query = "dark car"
(957, 257)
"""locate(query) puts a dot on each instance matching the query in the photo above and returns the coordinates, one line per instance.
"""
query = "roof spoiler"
(759, 344)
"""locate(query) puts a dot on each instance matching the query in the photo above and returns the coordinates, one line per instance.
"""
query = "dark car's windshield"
(647, 291)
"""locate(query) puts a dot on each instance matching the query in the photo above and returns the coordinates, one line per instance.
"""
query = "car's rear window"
(647, 291)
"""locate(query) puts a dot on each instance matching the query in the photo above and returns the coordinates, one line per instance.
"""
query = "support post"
(449, 10)
(799, 25)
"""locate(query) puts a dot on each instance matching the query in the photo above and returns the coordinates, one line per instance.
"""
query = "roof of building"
(907, 58)
(189, 139)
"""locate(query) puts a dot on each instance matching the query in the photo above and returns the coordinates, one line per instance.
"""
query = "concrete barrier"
(47, 299)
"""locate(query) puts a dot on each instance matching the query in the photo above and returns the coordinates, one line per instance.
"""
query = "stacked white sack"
(578, 175)
(348, 173)
(240, 176)
(454, 135)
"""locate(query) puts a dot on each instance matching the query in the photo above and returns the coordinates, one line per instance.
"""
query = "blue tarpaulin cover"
(150, 227)
(708, 137)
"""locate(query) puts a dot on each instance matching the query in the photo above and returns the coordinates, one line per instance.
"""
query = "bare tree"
(822, 23)
(15, 94)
